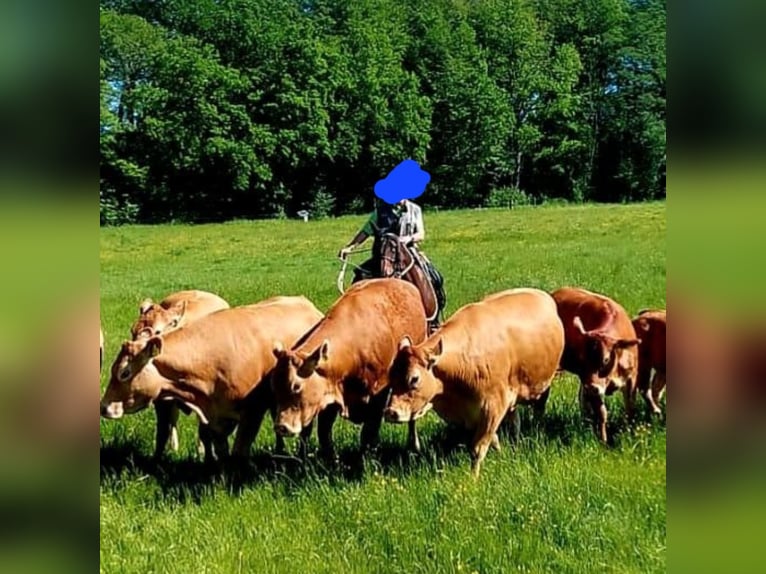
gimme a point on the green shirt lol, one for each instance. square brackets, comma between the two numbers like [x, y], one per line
[372, 221]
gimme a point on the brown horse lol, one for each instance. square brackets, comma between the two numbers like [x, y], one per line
[397, 261]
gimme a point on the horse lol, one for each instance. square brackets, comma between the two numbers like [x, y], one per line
[397, 261]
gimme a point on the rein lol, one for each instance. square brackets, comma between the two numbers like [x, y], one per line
[395, 261]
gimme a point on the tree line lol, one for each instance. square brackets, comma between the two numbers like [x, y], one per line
[220, 109]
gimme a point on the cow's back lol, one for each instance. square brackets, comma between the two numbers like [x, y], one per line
[198, 303]
[514, 336]
[364, 327]
[232, 348]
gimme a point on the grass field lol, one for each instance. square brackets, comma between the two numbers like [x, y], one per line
[557, 502]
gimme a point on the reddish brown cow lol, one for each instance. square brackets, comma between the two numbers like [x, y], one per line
[650, 327]
[486, 359]
[173, 312]
[601, 349]
[341, 365]
[215, 366]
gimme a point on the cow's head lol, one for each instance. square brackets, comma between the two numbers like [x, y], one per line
[133, 384]
[301, 388]
[604, 353]
[412, 380]
[153, 319]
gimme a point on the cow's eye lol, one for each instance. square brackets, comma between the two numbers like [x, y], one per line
[124, 374]
[606, 359]
[296, 387]
[414, 381]
[156, 331]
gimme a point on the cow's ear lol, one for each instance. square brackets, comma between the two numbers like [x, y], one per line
[435, 353]
[278, 349]
[179, 310]
[145, 305]
[643, 324]
[625, 343]
[154, 346]
[405, 343]
[577, 322]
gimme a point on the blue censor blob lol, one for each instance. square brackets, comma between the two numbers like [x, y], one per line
[405, 181]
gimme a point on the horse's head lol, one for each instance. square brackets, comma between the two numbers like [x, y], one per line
[394, 258]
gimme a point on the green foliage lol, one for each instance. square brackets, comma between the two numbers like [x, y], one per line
[242, 108]
[116, 211]
[556, 502]
[509, 197]
[323, 205]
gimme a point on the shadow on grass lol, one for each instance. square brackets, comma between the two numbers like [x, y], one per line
[192, 480]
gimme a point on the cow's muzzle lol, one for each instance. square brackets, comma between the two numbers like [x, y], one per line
[112, 410]
[285, 430]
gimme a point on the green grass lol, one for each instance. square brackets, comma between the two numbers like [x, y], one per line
[557, 502]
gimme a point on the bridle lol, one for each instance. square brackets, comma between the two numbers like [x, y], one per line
[396, 259]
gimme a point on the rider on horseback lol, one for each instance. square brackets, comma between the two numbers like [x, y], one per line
[405, 220]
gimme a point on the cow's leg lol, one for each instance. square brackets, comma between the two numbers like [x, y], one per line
[370, 436]
[167, 420]
[220, 440]
[538, 409]
[303, 440]
[206, 439]
[413, 441]
[658, 388]
[598, 407]
[585, 411]
[206, 442]
[249, 425]
[324, 431]
[642, 383]
[629, 393]
[496, 442]
[515, 420]
[483, 438]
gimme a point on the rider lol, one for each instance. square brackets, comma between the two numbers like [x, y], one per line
[404, 219]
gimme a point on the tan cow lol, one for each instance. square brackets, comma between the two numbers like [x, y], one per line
[650, 326]
[341, 366]
[601, 349]
[215, 366]
[486, 359]
[173, 312]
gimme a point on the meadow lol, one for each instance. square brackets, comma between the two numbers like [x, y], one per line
[556, 502]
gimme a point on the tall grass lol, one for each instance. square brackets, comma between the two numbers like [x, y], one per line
[556, 502]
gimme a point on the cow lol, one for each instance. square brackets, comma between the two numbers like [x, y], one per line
[341, 365]
[218, 367]
[173, 312]
[601, 349]
[489, 357]
[650, 328]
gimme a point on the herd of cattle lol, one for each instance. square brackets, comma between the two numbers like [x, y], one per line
[370, 358]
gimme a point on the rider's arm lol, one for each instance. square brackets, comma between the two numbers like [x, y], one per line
[360, 237]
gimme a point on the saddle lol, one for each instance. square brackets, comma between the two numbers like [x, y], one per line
[434, 276]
